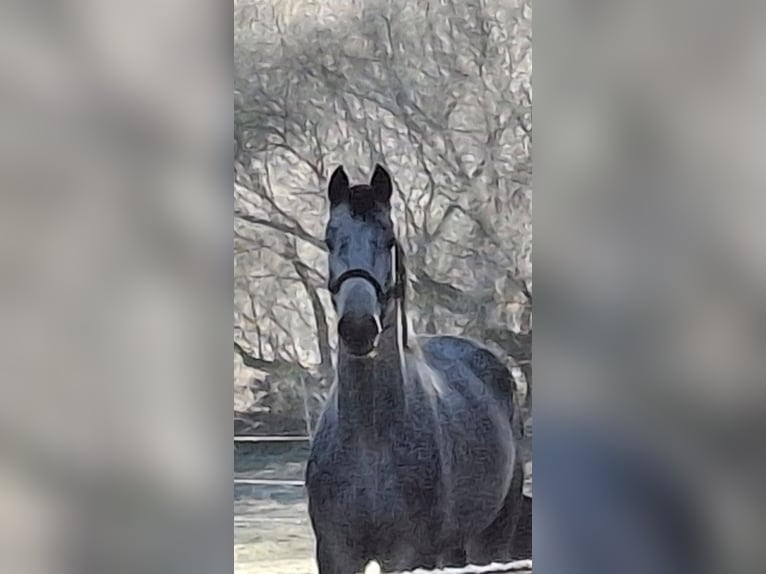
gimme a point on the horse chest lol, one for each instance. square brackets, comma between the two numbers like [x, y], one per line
[386, 490]
[375, 488]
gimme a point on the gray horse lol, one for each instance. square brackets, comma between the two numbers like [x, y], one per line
[413, 463]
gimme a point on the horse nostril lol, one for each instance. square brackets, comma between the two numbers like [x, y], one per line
[358, 331]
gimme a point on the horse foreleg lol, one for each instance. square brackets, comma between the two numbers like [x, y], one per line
[454, 558]
[334, 558]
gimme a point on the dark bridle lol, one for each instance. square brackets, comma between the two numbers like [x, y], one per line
[397, 292]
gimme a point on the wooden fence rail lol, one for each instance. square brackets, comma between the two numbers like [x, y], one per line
[268, 482]
[269, 439]
[276, 438]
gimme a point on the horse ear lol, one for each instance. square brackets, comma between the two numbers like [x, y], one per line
[337, 191]
[381, 184]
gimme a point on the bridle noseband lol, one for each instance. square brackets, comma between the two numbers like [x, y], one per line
[396, 292]
[384, 297]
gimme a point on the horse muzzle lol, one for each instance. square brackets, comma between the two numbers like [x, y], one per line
[358, 307]
[359, 333]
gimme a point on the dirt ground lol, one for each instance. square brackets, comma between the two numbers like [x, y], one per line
[272, 534]
[273, 537]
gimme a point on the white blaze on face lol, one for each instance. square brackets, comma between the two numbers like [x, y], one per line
[345, 299]
[372, 568]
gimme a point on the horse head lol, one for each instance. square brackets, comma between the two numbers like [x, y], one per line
[366, 267]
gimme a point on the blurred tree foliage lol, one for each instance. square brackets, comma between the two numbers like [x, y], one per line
[439, 91]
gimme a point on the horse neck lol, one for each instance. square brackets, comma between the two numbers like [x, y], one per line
[371, 389]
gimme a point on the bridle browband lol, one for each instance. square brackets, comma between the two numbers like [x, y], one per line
[397, 291]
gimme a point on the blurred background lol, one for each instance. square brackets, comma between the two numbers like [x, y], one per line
[115, 289]
[116, 133]
[649, 266]
[440, 93]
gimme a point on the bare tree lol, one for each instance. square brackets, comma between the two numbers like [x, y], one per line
[439, 92]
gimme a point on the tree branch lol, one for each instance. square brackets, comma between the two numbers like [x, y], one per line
[275, 367]
[294, 230]
[320, 317]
